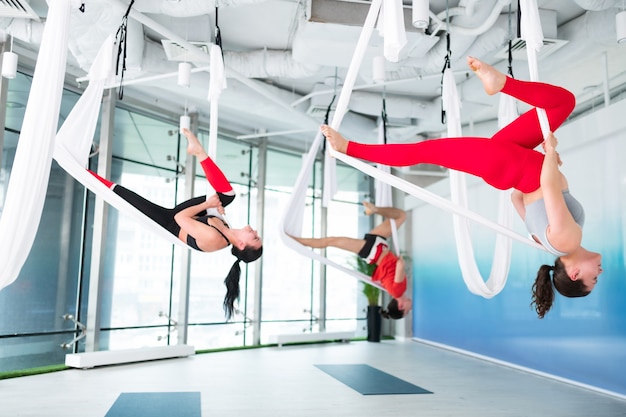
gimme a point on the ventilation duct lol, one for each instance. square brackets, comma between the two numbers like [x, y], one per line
[17, 9]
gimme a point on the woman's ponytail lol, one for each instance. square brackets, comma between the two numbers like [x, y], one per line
[232, 289]
[554, 277]
[543, 293]
[246, 255]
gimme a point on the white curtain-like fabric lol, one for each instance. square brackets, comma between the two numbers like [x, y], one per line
[75, 137]
[217, 84]
[30, 173]
[391, 27]
[532, 33]
[291, 222]
[458, 191]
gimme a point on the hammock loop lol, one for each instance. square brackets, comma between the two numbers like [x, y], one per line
[121, 34]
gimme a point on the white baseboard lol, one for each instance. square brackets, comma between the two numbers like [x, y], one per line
[281, 339]
[113, 357]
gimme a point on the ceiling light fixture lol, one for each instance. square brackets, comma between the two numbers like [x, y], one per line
[620, 26]
[378, 69]
[9, 63]
[421, 12]
[184, 74]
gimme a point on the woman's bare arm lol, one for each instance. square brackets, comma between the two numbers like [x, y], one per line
[563, 232]
[206, 237]
[400, 275]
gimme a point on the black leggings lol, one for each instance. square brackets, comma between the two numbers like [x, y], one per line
[165, 216]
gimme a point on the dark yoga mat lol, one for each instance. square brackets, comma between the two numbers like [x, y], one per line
[156, 404]
[371, 381]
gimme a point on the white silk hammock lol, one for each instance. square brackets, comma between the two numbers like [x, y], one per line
[76, 135]
[73, 142]
[384, 196]
[292, 219]
[458, 192]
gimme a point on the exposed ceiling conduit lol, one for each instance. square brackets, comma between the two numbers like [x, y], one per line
[396, 106]
[268, 64]
[464, 24]
[583, 34]
[187, 8]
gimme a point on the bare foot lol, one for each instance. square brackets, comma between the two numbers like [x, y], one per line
[493, 80]
[369, 208]
[338, 142]
[194, 147]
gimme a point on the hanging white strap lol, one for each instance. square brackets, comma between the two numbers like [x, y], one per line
[532, 33]
[348, 85]
[384, 197]
[391, 28]
[458, 190]
[291, 223]
[74, 139]
[217, 84]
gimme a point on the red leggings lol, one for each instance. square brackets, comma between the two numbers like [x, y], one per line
[213, 174]
[506, 160]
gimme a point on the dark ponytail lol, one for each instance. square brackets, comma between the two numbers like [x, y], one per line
[231, 282]
[232, 289]
[543, 290]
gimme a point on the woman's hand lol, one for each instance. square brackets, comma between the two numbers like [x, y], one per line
[549, 147]
[214, 202]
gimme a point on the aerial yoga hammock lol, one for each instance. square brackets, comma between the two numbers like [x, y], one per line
[473, 279]
[71, 146]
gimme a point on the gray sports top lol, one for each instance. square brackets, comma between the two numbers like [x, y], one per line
[537, 219]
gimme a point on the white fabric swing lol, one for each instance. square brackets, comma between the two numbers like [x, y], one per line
[292, 220]
[28, 183]
[73, 142]
[70, 147]
[458, 191]
[75, 136]
[473, 279]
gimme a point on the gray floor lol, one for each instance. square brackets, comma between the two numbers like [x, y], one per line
[284, 382]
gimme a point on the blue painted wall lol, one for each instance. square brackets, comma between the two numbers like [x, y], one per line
[581, 339]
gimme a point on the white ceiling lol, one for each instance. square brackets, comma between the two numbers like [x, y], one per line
[279, 52]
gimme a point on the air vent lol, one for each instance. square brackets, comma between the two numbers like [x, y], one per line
[319, 102]
[17, 9]
[518, 49]
[177, 52]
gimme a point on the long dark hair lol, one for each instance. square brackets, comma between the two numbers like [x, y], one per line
[393, 311]
[543, 292]
[248, 254]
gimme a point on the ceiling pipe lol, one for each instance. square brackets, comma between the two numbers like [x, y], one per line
[187, 8]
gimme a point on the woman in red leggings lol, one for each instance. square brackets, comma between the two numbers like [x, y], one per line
[199, 222]
[508, 160]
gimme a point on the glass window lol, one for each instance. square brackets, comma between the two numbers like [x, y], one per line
[32, 309]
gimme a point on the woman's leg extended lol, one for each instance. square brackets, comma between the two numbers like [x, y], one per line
[341, 242]
[526, 130]
[213, 173]
[499, 163]
[389, 213]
